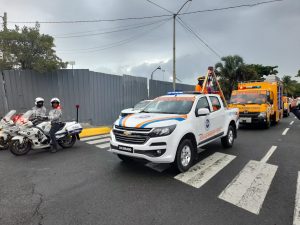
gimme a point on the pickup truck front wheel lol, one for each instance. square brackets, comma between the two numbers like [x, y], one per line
[228, 140]
[185, 155]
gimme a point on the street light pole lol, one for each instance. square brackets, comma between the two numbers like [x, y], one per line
[174, 44]
[158, 68]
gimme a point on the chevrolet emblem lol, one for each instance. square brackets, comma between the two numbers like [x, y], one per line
[127, 133]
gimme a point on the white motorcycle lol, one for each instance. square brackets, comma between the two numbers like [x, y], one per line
[34, 134]
[7, 129]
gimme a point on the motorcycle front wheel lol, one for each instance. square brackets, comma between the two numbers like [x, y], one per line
[68, 141]
[18, 148]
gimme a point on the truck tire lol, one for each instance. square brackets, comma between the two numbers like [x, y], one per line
[185, 155]
[125, 158]
[228, 140]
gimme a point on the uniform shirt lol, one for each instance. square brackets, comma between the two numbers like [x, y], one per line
[55, 115]
[198, 88]
[39, 111]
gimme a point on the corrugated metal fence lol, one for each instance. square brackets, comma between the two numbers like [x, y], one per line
[101, 96]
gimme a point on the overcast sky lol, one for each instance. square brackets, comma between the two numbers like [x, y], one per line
[266, 34]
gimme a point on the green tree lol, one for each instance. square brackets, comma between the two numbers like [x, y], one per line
[263, 70]
[298, 74]
[27, 48]
[229, 73]
[289, 85]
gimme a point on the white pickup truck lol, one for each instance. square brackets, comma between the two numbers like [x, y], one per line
[172, 128]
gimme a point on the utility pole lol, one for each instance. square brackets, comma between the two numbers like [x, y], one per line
[174, 44]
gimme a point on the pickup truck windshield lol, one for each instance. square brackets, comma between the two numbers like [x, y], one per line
[170, 105]
[141, 105]
[249, 97]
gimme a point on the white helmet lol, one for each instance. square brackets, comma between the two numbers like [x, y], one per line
[38, 99]
[55, 100]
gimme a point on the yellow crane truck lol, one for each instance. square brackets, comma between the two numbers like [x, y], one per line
[259, 102]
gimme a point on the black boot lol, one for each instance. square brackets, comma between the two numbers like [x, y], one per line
[53, 149]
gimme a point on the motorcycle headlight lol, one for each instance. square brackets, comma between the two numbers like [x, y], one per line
[162, 131]
[262, 114]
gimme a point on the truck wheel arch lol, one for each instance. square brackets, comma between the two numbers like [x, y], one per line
[233, 124]
[191, 137]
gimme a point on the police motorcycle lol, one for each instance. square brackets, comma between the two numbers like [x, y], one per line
[7, 129]
[34, 134]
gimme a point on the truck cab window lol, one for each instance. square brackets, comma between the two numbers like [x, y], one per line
[202, 103]
[215, 103]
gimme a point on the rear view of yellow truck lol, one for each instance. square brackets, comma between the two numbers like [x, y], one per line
[259, 102]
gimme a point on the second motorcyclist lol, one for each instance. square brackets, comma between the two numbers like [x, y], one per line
[55, 117]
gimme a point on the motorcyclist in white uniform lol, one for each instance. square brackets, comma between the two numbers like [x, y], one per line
[39, 109]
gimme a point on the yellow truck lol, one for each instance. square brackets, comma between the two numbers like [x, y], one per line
[259, 102]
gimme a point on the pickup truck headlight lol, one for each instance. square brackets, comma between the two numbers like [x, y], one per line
[263, 115]
[162, 131]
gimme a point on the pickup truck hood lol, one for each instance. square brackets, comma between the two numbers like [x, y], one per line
[130, 111]
[150, 120]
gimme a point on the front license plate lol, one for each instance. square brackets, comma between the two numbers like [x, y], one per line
[246, 120]
[125, 149]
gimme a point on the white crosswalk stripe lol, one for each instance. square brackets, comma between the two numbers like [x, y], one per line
[95, 137]
[296, 220]
[100, 141]
[102, 146]
[249, 188]
[203, 171]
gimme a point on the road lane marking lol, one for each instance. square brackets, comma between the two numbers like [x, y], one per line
[98, 141]
[94, 137]
[296, 220]
[269, 153]
[249, 188]
[285, 131]
[291, 123]
[105, 145]
[203, 171]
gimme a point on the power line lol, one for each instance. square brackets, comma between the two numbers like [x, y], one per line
[145, 17]
[159, 6]
[188, 28]
[115, 44]
[90, 21]
[103, 29]
[231, 7]
[113, 31]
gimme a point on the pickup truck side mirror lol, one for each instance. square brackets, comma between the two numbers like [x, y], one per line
[202, 112]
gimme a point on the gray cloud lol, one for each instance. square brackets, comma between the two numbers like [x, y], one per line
[268, 34]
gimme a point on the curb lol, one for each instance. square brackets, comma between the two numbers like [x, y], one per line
[87, 132]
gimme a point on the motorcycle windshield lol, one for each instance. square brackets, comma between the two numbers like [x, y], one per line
[9, 115]
[25, 117]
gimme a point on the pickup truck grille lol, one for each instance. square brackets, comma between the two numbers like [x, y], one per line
[130, 135]
[133, 129]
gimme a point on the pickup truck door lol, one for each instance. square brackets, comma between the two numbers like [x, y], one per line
[202, 126]
[217, 116]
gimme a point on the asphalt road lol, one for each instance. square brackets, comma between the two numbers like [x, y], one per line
[88, 185]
